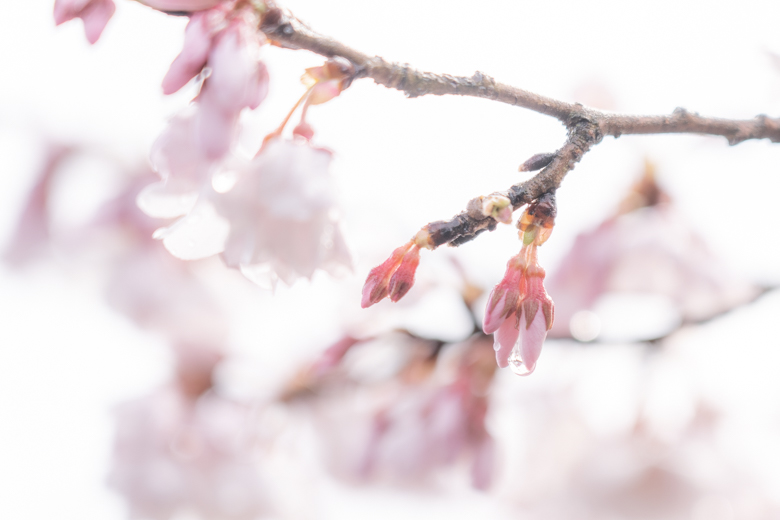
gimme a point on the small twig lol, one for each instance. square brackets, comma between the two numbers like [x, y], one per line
[586, 126]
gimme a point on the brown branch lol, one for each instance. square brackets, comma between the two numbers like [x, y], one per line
[469, 223]
[586, 126]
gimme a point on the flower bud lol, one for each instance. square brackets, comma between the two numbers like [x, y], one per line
[536, 222]
[403, 278]
[499, 207]
[392, 278]
[505, 298]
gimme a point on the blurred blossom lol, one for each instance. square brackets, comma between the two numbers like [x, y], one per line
[184, 169]
[409, 426]
[32, 234]
[184, 448]
[283, 215]
[644, 445]
[646, 248]
[238, 80]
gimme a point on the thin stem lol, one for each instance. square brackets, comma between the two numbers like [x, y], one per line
[279, 130]
[586, 126]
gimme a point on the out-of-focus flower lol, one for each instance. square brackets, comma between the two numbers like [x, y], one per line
[645, 248]
[226, 42]
[238, 80]
[184, 448]
[94, 13]
[195, 53]
[407, 429]
[282, 215]
[181, 164]
[519, 312]
[32, 234]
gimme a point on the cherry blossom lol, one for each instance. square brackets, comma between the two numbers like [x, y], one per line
[238, 80]
[282, 215]
[185, 448]
[407, 429]
[646, 247]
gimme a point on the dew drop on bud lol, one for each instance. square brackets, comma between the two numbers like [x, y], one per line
[516, 364]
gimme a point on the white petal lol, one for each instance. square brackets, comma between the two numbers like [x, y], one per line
[200, 234]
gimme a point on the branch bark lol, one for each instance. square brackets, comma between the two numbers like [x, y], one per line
[586, 126]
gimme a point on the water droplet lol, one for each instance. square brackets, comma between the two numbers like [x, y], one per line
[516, 364]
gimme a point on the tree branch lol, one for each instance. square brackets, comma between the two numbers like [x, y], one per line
[586, 126]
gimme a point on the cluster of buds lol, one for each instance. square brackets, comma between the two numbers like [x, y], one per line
[519, 312]
[395, 276]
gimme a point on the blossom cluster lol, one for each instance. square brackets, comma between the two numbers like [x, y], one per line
[273, 216]
[519, 311]
[422, 418]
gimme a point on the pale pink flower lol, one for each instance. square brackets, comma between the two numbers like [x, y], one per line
[159, 292]
[238, 80]
[197, 43]
[181, 165]
[94, 13]
[282, 215]
[648, 247]
[32, 235]
[409, 429]
[235, 77]
[186, 449]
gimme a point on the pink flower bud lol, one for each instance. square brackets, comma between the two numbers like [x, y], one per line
[304, 130]
[505, 297]
[522, 359]
[519, 314]
[195, 53]
[403, 278]
[392, 278]
[505, 339]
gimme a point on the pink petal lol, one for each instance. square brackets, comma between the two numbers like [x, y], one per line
[236, 80]
[258, 88]
[324, 92]
[504, 340]
[403, 278]
[194, 54]
[217, 130]
[526, 353]
[483, 463]
[494, 314]
[66, 10]
[177, 152]
[96, 16]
